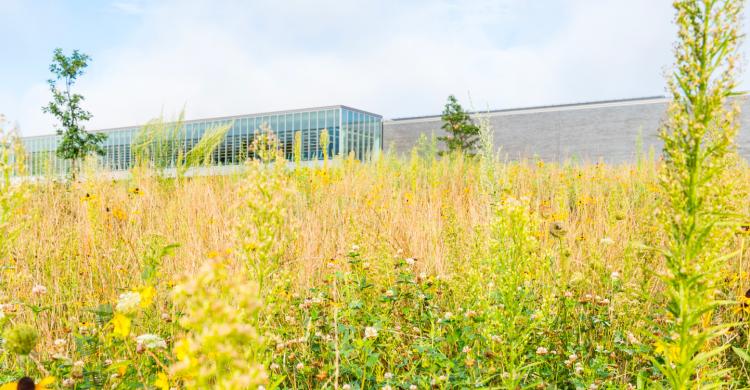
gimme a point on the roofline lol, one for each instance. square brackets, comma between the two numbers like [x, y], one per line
[553, 107]
[227, 118]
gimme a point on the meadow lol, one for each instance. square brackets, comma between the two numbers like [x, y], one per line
[399, 273]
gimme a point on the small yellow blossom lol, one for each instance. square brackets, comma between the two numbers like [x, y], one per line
[120, 325]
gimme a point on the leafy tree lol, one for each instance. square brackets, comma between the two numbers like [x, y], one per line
[463, 134]
[76, 143]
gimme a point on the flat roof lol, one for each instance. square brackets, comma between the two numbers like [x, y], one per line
[553, 107]
[230, 117]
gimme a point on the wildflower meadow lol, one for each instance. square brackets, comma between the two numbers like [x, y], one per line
[424, 271]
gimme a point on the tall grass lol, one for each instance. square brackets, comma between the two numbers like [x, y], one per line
[459, 293]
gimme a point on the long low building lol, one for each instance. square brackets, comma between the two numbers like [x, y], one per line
[349, 131]
[610, 131]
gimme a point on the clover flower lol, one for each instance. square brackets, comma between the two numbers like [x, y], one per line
[38, 289]
[151, 341]
[128, 302]
[371, 332]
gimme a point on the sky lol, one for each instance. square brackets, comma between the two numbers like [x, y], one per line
[395, 58]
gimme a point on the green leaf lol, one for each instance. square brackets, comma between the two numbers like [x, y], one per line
[742, 354]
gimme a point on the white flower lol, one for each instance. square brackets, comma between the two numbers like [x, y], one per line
[300, 366]
[38, 289]
[409, 261]
[274, 366]
[151, 341]
[60, 342]
[387, 387]
[389, 293]
[346, 387]
[466, 349]
[632, 339]
[412, 387]
[371, 332]
[128, 302]
[615, 275]
[542, 351]
[447, 315]
[388, 375]
[606, 241]
[79, 364]
[355, 248]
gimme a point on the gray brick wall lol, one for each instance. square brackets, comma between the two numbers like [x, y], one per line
[604, 131]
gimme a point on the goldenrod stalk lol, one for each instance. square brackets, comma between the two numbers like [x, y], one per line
[698, 148]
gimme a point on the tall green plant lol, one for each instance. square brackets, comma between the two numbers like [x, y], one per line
[161, 145]
[698, 147]
[76, 143]
[11, 195]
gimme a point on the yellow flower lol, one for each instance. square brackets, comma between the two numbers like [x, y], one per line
[182, 349]
[45, 383]
[88, 197]
[162, 381]
[119, 214]
[147, 296]
[121, 325]
[42, 385]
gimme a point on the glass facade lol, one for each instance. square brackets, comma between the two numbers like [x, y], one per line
[350, 131]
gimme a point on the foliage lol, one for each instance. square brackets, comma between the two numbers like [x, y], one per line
[463, 134]
[76, 143]
[159, 146]
[699, 152]
[12, 195]
[222, 347]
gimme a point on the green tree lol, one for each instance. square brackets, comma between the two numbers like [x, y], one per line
[463, 134]
[76, 143]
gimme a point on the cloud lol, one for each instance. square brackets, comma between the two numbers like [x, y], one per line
[234, 57]
[128, 7]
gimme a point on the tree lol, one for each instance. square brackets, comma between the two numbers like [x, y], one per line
[76, 143]
[463, 134]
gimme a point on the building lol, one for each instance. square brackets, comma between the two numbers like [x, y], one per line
[350, 131]
[611, 131]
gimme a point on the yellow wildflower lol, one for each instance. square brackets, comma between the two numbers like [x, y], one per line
[121, 325]
[162, 381]
[147, 296]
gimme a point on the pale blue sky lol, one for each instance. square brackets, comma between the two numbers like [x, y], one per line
[396, 58]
